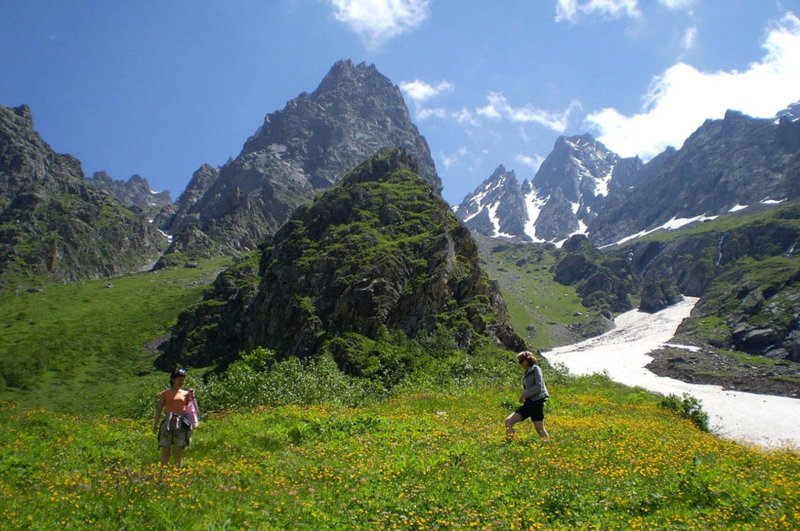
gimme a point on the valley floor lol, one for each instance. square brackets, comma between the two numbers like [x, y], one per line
[622, 353]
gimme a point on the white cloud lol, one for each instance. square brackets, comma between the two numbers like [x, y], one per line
[379, 20]
[498, 107]
[531, 162]
[690, 38]
[425, 113]
[676, 5]
[680, 99]
[420, 92]
[569, 10]
[448, 160]
[463, 117]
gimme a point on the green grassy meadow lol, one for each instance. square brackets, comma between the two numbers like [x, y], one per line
[76, 450]
[87, 346]
[532, 297]
[420, 460]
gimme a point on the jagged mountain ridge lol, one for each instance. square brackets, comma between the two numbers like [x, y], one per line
[56, 226]
[379, 249]
[297, 152]
[134, 192]
[572, 185]
[723, 166]
[583, 188]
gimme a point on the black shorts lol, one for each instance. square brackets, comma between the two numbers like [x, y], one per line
[533, 409]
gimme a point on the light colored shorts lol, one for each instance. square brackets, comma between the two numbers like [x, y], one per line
[179, 434]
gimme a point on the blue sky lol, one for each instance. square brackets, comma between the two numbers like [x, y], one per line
[159, 88]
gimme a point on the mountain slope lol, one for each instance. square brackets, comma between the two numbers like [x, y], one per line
[380, 249]
[297, 152]
[53, 224]
[721, 167]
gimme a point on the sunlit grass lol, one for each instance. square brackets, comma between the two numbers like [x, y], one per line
[420, 460]
[84, 346]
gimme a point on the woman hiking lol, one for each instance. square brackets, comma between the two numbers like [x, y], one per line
[533, 397]
[182, 418]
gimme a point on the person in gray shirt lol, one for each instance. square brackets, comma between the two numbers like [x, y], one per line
[533, 397]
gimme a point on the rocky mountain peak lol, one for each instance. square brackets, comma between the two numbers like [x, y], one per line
[383, 165]
[578, 165]
[135, 192]
[303, 149]
[344, 75]
[24, 112]
[497, 207]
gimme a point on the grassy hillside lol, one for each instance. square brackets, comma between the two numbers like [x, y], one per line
[533, 297]
[88, 346]
[788, 215]
[421, 460]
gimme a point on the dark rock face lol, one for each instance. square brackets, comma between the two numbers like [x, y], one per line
[178, 219]
[53, 224]
[379, 249]
[135, 192]
[657, 295]
[735, 161]
[572, 185]
[603, 282]
[298, 152]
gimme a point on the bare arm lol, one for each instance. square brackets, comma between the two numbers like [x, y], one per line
[159, 408]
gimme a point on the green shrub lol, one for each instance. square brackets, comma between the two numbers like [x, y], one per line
[258, 380]
[688, 407]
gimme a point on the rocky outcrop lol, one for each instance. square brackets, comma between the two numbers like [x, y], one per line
[298, 152]
[180, 218]
[604, 282]
[379, 249]
[658, 294]
[53, 224]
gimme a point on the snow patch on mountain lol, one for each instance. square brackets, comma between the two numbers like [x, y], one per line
[602, 183]
[768, 201]
[492, 211]
[672, 224]
[533, 205]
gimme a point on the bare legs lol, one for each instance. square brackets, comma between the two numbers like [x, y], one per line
[516, 417]
[539, 425]
[178, 456]
[510, 421]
